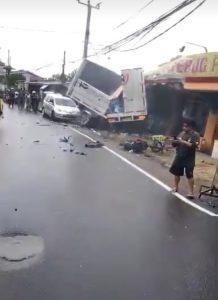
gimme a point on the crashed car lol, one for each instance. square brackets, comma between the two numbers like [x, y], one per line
[59, 107]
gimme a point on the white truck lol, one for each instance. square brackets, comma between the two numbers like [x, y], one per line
[100, 92]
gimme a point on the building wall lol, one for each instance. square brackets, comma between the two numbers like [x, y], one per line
[168, 107]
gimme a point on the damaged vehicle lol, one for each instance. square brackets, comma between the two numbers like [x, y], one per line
[58, 107]
[102, 93]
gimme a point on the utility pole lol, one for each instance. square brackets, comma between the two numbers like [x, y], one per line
[63, 68]
[8, 69]
[9, 57]
[87, 33]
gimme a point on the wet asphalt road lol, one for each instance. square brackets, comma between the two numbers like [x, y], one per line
[110, 233]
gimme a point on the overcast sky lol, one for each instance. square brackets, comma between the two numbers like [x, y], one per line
[38, 32]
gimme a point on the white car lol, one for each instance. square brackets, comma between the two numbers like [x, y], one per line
[59, 107]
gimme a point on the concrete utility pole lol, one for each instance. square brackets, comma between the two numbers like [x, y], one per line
[63, 68]
[87, 33]
[8, 69]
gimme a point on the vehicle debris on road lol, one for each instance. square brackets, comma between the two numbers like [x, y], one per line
[96, 144]
[64, 139]
[80, 153]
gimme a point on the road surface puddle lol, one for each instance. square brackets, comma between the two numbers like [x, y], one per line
[20, 251]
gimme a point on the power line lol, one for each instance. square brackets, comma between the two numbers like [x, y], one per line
[36, 30]
[165, 31]
[133, 16]
[145, 6]
[142, 31]
[47, 65]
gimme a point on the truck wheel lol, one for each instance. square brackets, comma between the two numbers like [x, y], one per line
[85, 119]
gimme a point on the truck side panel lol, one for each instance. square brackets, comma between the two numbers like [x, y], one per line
[134, 91]
[90, 97]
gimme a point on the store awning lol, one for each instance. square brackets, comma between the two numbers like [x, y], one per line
[201, 86]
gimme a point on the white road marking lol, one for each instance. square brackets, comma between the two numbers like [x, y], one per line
[156, 180]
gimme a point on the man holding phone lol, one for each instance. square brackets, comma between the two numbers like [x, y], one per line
[186, 144]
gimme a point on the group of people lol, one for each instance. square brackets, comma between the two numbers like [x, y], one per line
[23, 99]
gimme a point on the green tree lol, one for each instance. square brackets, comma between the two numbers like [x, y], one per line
[14, 79]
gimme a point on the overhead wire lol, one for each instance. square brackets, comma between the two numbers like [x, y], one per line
[133, 16]
[142, 32]
[146, 29]
[35, 30]
[166, 30]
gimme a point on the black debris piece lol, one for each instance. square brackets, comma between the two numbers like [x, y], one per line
[66, 139]
[137, 146]
[36, 141]
[94, 145]
[80, 153]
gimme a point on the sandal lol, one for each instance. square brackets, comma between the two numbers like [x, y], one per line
[190, 197]
[174, 190]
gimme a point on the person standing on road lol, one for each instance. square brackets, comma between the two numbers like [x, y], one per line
[21, 99]
[28, 101]
[1, 105]
[34, 100]
[11, 98]
[186, 144]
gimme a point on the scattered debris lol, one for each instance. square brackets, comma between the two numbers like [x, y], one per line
[36, 141]
[64, 150]
[66, 139]
[15, 209]
[80, 153]
[94, 145]
[137, 146]
[38, 123]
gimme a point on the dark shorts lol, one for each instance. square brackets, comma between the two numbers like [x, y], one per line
[179, 168]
